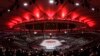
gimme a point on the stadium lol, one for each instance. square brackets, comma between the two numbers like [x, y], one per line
[49, 28]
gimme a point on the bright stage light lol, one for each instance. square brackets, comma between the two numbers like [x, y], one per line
[25, 4]
[92, 9]
[51, 1]
[35, 32]
[77, 4]
[8, 10]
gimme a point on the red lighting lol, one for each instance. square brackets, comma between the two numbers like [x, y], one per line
[10, 25]
[38, 13]
[26, 16]
[64, 12]
[18, 19]
[50, 14]
[74, 16]
[91, 24]
[15, 22]
[81, 19]
[87, 20]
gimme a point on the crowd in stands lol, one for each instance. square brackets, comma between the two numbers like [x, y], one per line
[93, 51]
[82, 51]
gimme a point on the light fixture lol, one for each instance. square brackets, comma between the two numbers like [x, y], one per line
[92, 9]
[35, 32]
[81, 49]
[65, 32]
[25, 4]
[8, 10]
[50, 34]
[51, 1]
[77, 4]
